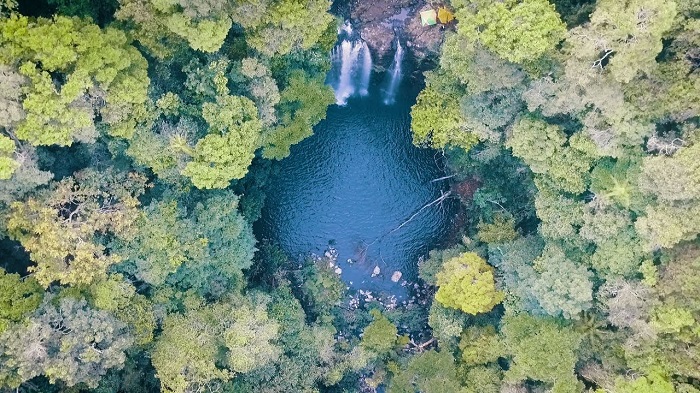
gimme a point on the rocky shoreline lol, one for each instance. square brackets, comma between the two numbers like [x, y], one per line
[380, 22]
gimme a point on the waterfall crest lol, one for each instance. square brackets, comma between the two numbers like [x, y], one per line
[394, 75]
[351, 68]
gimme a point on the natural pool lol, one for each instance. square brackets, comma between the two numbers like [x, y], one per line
[361, 186]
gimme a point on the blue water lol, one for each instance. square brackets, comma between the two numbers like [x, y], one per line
[352, 184]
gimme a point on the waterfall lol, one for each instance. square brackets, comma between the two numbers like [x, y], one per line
[394, 75]
[351, 66]
[348, 62]
[366, 70]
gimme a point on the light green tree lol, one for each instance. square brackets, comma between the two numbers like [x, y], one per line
[380, 335]
[467, 283]
[226, 152]
[204, 25]
[18, 298]
[8, 165]
[75, 70]
[302, 105]
[436, 118]
[212, 344]
[428, 372]
[516, 31]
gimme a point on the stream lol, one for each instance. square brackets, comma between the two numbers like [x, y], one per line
[359, 184]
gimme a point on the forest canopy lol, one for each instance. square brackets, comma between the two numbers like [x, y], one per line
[135, 146]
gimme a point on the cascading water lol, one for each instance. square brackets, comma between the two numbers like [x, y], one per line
[366, 70]
[394, 75]
[351, 66]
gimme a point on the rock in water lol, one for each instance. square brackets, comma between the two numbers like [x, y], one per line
[396, 276]
[376, 271]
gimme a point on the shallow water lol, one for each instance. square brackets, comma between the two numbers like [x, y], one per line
[352, 184]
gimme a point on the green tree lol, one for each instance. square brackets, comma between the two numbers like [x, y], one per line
[211, 344]
[664, 226]
[11, 83]
[26, 176]
[516, 31]
[230, 245]
[226, 152]
[560, 215]
[287, 26]
[204, 25]
[74, 71]
[18, 298]
[542, 349]
[162, 242]
[625, 36]
[69, 342]
[673, 179]
[428, 372]
[467, 283]
[61, 228]
[380, 335]
[544, 148]
[516, 275]
[303, 103]
[478, 69]
[563, 287]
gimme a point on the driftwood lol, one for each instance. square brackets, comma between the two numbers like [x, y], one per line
[421, 347]
[442, 197]
[443, 178]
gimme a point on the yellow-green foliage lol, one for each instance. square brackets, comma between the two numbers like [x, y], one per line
[303, 104]
[60, 231]
[501, 230]
[467, 283]
[380, 335]
[161, 25]
[94, 65]
[18, 298]
[227, 151]
[437, 121]
[516, 31]
[196, 340]
[7, 164]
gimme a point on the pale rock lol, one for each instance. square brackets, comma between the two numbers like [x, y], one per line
[376, 271]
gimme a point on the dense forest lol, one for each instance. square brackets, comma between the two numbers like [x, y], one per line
[136, 138]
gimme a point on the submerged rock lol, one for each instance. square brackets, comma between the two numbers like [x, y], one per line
[376, 271]
[396, 276]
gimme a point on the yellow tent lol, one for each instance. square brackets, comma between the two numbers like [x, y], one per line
[427, 18]
[444, 15]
